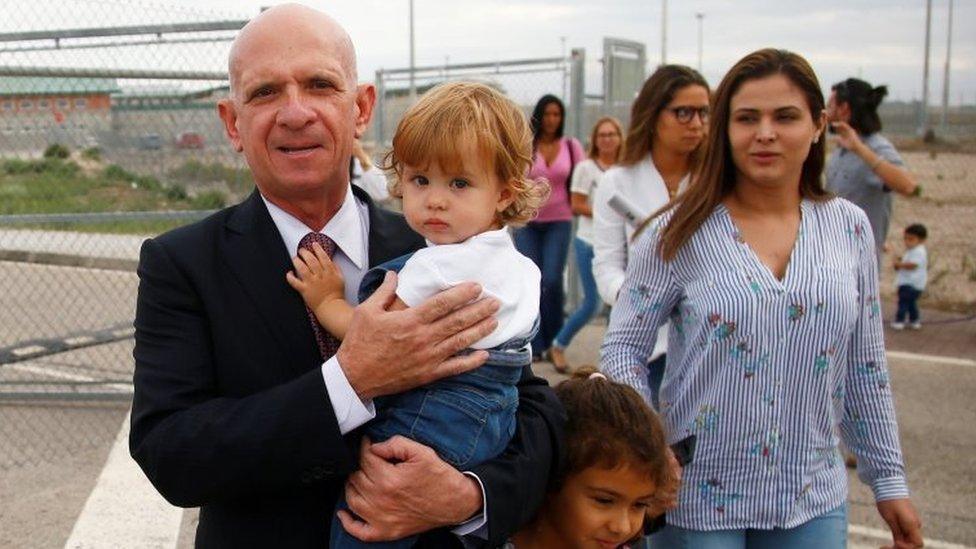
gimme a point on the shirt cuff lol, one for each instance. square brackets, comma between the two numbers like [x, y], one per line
[478, 524]
[889, 488]
[350, 410]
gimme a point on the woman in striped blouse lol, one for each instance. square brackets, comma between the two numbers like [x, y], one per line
[776, 349]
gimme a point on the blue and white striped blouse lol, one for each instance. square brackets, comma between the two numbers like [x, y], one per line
[769, 374]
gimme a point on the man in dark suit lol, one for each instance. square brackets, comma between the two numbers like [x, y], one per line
[238, 407]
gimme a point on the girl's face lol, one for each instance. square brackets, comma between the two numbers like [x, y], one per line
[552, 116]
[600, 508]
[771, 131]
[450, 206]
[674, 131]
[608, 139]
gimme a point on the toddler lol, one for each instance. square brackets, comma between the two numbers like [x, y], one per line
[912, 273]
[459, 155]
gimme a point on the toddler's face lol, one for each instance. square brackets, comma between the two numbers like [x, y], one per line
[601, 508]
[447, 207]
[911, 240]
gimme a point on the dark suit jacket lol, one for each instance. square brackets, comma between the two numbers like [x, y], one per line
[230, 411]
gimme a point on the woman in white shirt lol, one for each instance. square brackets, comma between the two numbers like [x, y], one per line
[667, 126]
[606, 146]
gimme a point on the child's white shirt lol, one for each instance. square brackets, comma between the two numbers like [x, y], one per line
[917, 277]
[490, 259]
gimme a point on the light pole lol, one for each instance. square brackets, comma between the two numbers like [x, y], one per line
[664, 32]
[701, 18]
[413, 83]
[945, 77]
[924, 117]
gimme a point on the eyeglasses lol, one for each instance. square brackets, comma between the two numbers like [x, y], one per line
[685, 114]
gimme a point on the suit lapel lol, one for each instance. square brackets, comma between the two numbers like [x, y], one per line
[257, 258]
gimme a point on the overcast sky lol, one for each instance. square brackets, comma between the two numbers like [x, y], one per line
[881, 41]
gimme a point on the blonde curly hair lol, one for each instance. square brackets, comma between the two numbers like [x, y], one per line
[435, 129]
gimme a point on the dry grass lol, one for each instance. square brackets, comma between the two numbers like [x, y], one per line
[947, 207]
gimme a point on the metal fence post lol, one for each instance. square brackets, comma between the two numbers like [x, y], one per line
[577, 90]
[380, 111]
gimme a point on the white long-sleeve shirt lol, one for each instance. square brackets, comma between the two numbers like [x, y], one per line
[641, 185]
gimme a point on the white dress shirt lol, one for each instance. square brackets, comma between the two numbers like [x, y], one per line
[349, 229]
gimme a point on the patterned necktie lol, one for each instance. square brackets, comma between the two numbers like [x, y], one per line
[328, 344]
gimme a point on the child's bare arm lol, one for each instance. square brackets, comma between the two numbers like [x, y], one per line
[321, 285]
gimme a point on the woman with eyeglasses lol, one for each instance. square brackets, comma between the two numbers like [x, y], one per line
[668, 122]
[605, 150]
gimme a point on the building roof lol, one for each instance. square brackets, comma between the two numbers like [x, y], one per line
[15, 86]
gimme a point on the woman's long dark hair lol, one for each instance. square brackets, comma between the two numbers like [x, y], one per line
[540, 109]
[715, 176]
[863, 101]
[658, 90]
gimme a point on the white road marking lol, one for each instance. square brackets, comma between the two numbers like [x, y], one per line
[932, 358]
[66, 376]
[125, 508]
[29, 350]
[48, 371]
[79, 340]
[885, 537]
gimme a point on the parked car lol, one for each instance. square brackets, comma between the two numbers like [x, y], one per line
[189, 140]
[150, 142]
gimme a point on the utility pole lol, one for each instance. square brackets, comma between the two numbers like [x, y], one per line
[701, 17]
[413, 83]
[924, 116]
[945, 77]
[664, 32]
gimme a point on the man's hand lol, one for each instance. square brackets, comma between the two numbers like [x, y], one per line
[403, 489]
[386, 352]
[903, 520]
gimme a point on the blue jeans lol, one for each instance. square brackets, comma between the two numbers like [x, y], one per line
[591, 300]
[547, 245]
[907, 303]
[467, 419]
[828, 531]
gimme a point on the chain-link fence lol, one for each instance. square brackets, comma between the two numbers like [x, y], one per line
[108, 134]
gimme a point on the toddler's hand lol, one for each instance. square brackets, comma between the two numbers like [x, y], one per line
[319, 279]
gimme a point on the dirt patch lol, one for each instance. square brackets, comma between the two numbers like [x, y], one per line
[947, 207]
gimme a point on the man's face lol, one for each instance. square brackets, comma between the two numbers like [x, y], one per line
[295, 112]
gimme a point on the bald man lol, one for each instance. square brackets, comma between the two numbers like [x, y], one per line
[238, 409]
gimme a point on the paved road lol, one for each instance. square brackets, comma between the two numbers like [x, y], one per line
[52, 453]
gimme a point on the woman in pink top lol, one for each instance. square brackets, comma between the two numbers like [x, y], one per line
[546, 239]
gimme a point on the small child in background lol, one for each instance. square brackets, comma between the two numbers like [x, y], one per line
[617, 473]
[912, 273]
[460, 155]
